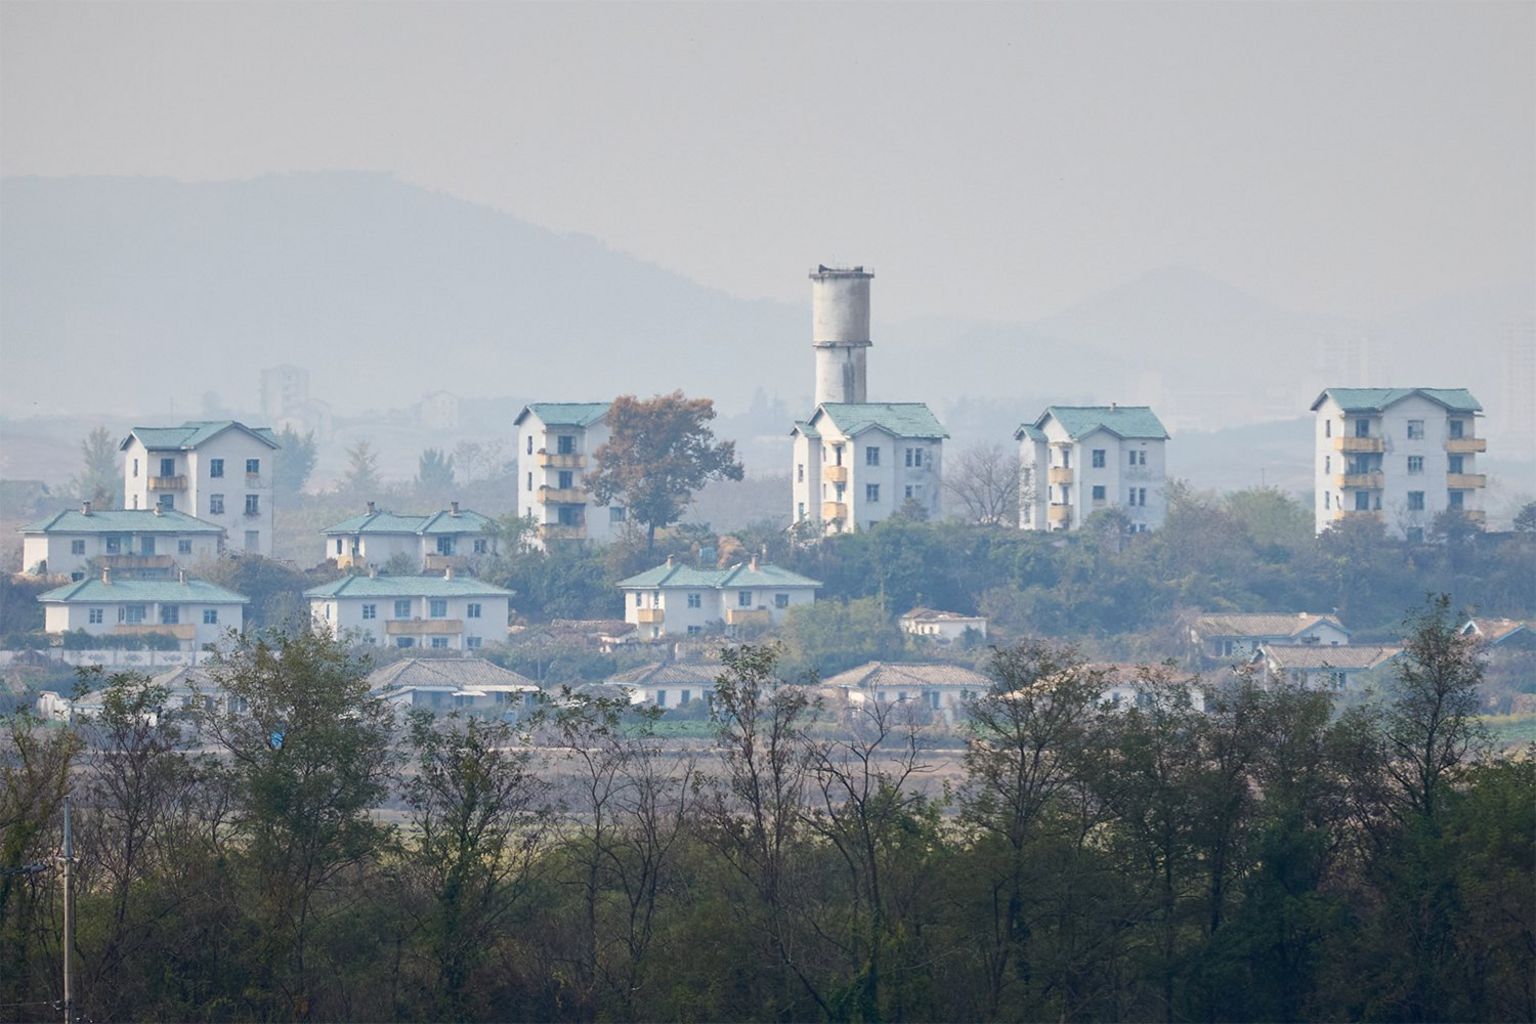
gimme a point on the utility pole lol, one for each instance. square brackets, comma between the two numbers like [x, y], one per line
[68, 858]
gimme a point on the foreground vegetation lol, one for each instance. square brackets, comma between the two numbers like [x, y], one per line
[1270, 858]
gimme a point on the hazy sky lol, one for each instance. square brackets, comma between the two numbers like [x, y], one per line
[999, 161]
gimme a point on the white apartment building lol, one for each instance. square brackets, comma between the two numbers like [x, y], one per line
[219, 471]
[682, 600]
[857, 464]
[444, 612]
[195, 612]
[555, 442]
[1398, 456]
[435, 542]
[1077, 459]
[145, 543]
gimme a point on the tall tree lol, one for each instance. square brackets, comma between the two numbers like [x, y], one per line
[362, 476]
[295, 462]
[659, 452]
[434, 471]
[101, 479]
[984, 479]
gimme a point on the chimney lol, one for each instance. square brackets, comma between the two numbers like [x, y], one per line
[159, 509]
[372, 508]
[181, 574]
[373, 572]
[448, 573]
[106, 575]
[752, 565]
[1113, 406]
[669, 561]
[85, 507]
[453, 509]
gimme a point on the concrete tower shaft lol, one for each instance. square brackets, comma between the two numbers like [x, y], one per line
[840, 332]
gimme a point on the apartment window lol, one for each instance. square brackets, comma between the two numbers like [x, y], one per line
[472, 610]
[1415, 463]
[439, 642]
[566, 479]
[1415, 430]
[252, 504]
[95, 615]
[215, 467]
[445, 545]
[569, 515]
[871, 456]
[1098, 458]
[473, 643]
[167, 503]
[529, 485]
[482, 546]
[1327, 428]
[908, 492]
[1456, 427]
[77, 547]
[210, 616]
[405, 641]
[1363, 501]
[618, 514]
[565, 444]
[530, 444]
[252, 467]
[872, 493]
[661, 698]
[1457, 499]
[168, 467]
[800, 473]
[1327, 463]
[685, 697]
[695, 601]
[1138, 458]
[1415, 501]
[183, 547]
[216, 505]
[639, 600]
[403, 608]
[1098, 492]
[135, 468]
[437, 607]
[252, 540]
[370, 611]
[695, 630]
[1327, 500]
[114, 545]
[744, 599]
[135, 501]
[1455, 463]
[170, 614]
[1362, 428]
[781, 600]
[133, 614]
[915, 458]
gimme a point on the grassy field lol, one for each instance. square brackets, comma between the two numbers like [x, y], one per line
[1511, 730]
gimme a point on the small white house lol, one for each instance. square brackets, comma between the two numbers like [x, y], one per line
[146, 542]
[1228, 636]
[1323, 668]
[939, 689]
[187, 691]
[944, 627]
[454, 684]
[444, 612]
[195, 612]
[435, 542]
[219, 471]
[669, 684]
[681, 600]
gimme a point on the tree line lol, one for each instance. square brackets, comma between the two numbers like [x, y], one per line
[1267, 857]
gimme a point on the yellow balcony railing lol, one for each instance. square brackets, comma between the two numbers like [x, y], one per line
[563, 531]
[1059, 514]
[650, 616]
[1360, 481]
[437, 563]
[179, 630]
[1465, 481]
[1061, 475]
[167, 483]
[562, 495]
[1341, 515]
[834, 510]
[559, 460]
[125, 563]
[748, 617]
[1359, 444]
[1466, 445]
[837, 474]
[424, 627]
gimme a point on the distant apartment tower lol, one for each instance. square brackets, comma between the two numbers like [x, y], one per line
[857, 462]
[1400, 456]
[555, 442]
[218, 471]
[1077, 459]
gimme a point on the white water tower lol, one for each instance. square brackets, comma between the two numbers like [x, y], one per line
[840, 332]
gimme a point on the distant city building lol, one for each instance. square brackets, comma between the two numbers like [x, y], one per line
[681, 600]
[1228, 636]
[1398, 456]
[195, 612]
[1075, 460]
[144, 543]
[858, 462]
[438, 411]
[218, 471]
[555, 442]
[287, 405]
[450, 539]
[446, 612]
[945, 627]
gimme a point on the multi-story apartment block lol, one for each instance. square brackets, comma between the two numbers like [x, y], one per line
[195, 612]
[682, 600]
[146, 543]
[1075, 460]
[450, 539]
[1399, 456]
[857, 462]
[219, 471]
[444, 612]
[555, 442]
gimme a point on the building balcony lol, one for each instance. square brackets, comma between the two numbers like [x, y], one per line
[1360, 445]
[1475, 515]
[179, 630]
[834, 510]
[561, 460]
[167, 483]
[1060, 475]
[748, 617]
[1373, 481]
[130, 563]
[424, 627]
[562, 495]
[650, 616]
[437, 563]
[1466, 445]
[562, 531]
[1465, 481]
[1342, 515]
[1059, 514]
[351, 561]
[836, 474]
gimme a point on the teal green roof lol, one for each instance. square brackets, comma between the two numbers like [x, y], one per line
[193, 433]
[94, 591]
[406, 586]
[434, 523]
[1377, 399]
[1030, 431]
[903, 419]
[121, 520]
[1128, 422]
[564, 414]
[742, 574]
[806, 429]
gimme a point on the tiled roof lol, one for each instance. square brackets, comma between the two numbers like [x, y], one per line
[742, 574]
[668, 673]
[1129, 422]
[876, 675]
[1377, 399]
[903, 419]
[1493, 631]
[1262, 624]
[434, 523]
[458, 673]
[157, 591]
[1287, 656]
[193, 433]
[805, 429]
[122, 521]
[933, 615]
[406, 586]
[1030, 431]
[564, 414]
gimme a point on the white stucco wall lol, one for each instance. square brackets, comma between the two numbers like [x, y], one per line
[234, 447]
[60, 617]
[345, 614]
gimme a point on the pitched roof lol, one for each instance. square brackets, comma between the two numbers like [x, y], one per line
[668, 673]
[1288, 656]
[1493, 631]
[157, 591]
[458, 673]
[1030, 431]
[122, 520]
[1377, 399]
[805, 429]
[406, 586]
[466, 521]
[1128, 422]
[886, 675]
[903, 419]
[564, 414]
[193, 433]
[934, 615]
[742, 574]
[1263, 624]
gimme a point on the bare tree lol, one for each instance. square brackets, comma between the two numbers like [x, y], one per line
[984, 479]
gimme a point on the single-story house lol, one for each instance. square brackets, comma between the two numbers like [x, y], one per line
[942, 689]
[945, 627]
[448, 684]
